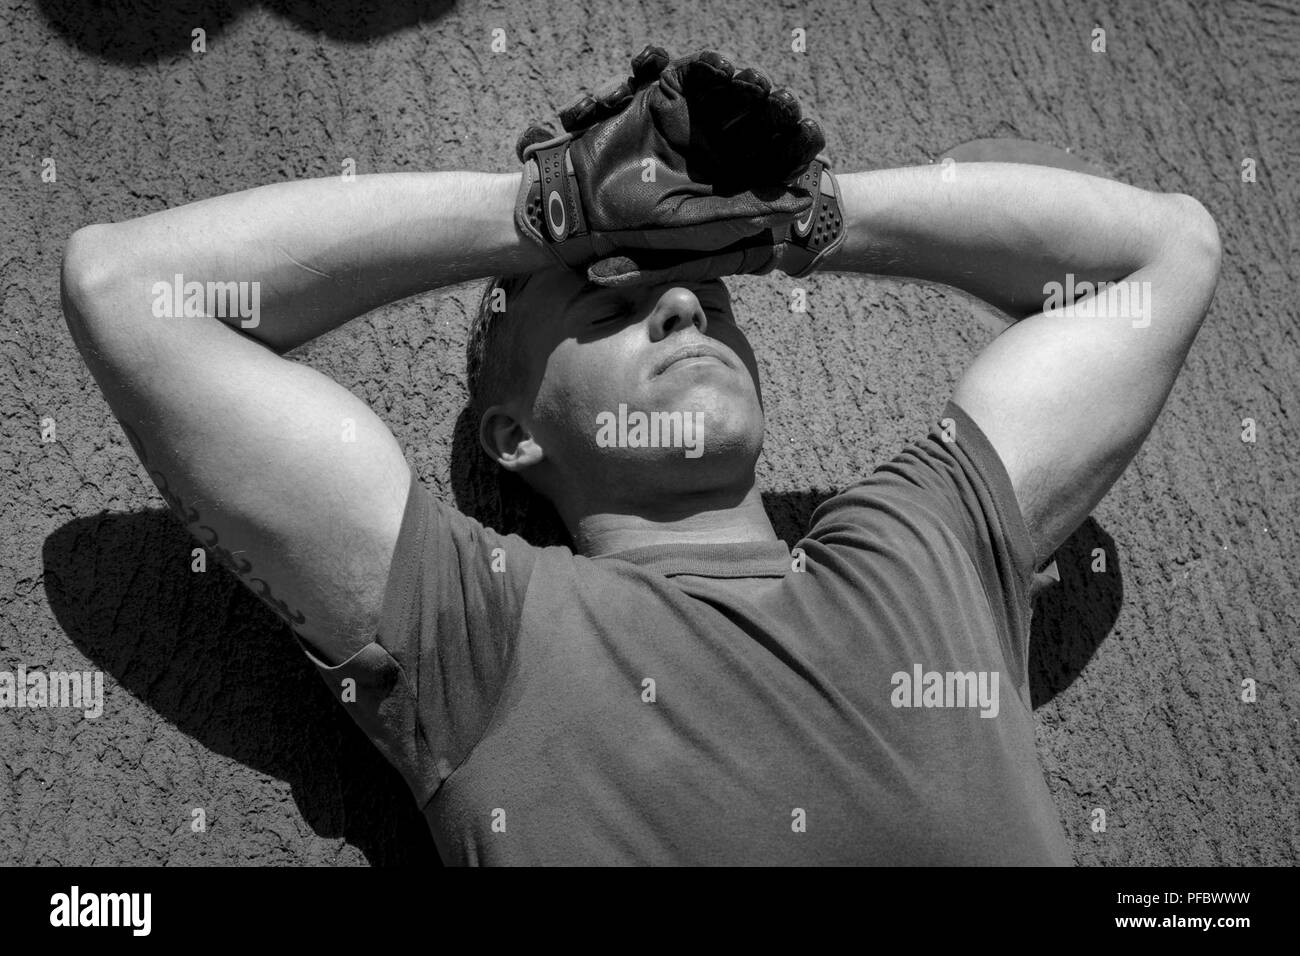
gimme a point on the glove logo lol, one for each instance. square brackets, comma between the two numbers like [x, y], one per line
[555, 217]
[811, 181]
[802, 226]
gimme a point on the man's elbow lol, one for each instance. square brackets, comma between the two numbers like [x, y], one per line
[1196, 236]
[90, 266]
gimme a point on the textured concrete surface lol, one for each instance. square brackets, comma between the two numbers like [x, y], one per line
[1137, 672]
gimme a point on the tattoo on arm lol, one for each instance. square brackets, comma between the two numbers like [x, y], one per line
[207, 536]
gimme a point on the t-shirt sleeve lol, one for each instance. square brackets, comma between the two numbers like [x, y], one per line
[949, 499]
[425, 687]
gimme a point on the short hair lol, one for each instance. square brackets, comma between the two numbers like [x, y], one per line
[493, 363]
[494, 367]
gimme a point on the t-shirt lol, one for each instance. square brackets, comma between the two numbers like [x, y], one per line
[861, 698]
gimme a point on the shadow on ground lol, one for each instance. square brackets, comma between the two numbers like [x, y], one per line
[1072, 618]
[143, 31]
[205, 654]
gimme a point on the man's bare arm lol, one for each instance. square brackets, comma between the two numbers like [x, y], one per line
[322, 251]
[1065, 399]
[998, 231]
[285, 476]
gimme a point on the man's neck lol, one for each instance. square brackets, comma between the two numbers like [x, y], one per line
[686, 523]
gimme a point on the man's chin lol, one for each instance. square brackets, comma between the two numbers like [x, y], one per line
[691, 431]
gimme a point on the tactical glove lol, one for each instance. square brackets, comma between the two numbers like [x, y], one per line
[685, 156]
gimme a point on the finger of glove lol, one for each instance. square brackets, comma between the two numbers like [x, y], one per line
[800, 149]
[724, 106]
[651, 269]
[783, 111]
[742, 98]
[711, 222]
[754, 78]
[756, 143]
[706, 82]
[706, 71]
[648, 64]
[536, 133]
[735, 120]
[747, 134]
[590, 109]
[684, 85]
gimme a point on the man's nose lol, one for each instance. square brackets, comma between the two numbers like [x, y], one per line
[676, 309]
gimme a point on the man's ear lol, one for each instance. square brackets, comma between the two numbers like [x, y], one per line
[507, 441]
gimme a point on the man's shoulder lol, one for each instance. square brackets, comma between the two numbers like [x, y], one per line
[942, 505]
[928, 477]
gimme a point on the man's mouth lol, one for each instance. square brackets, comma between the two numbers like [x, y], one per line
[688, 352]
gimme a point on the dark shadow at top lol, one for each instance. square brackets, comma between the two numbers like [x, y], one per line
[141, 31]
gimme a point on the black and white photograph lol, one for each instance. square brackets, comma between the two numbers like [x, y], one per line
[650, 434]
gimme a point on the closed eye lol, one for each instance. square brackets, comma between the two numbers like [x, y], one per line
[713, 295]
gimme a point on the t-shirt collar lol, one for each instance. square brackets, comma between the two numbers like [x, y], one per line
[738, 559]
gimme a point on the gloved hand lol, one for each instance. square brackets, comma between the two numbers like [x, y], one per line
[688, 155]
[797, 249]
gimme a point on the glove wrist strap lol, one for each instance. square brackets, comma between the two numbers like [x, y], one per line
[550, 211]
[821, 231]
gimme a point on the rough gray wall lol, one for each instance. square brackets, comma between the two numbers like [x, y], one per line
[1137, 672]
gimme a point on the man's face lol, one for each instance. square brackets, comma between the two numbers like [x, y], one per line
[672, 349]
